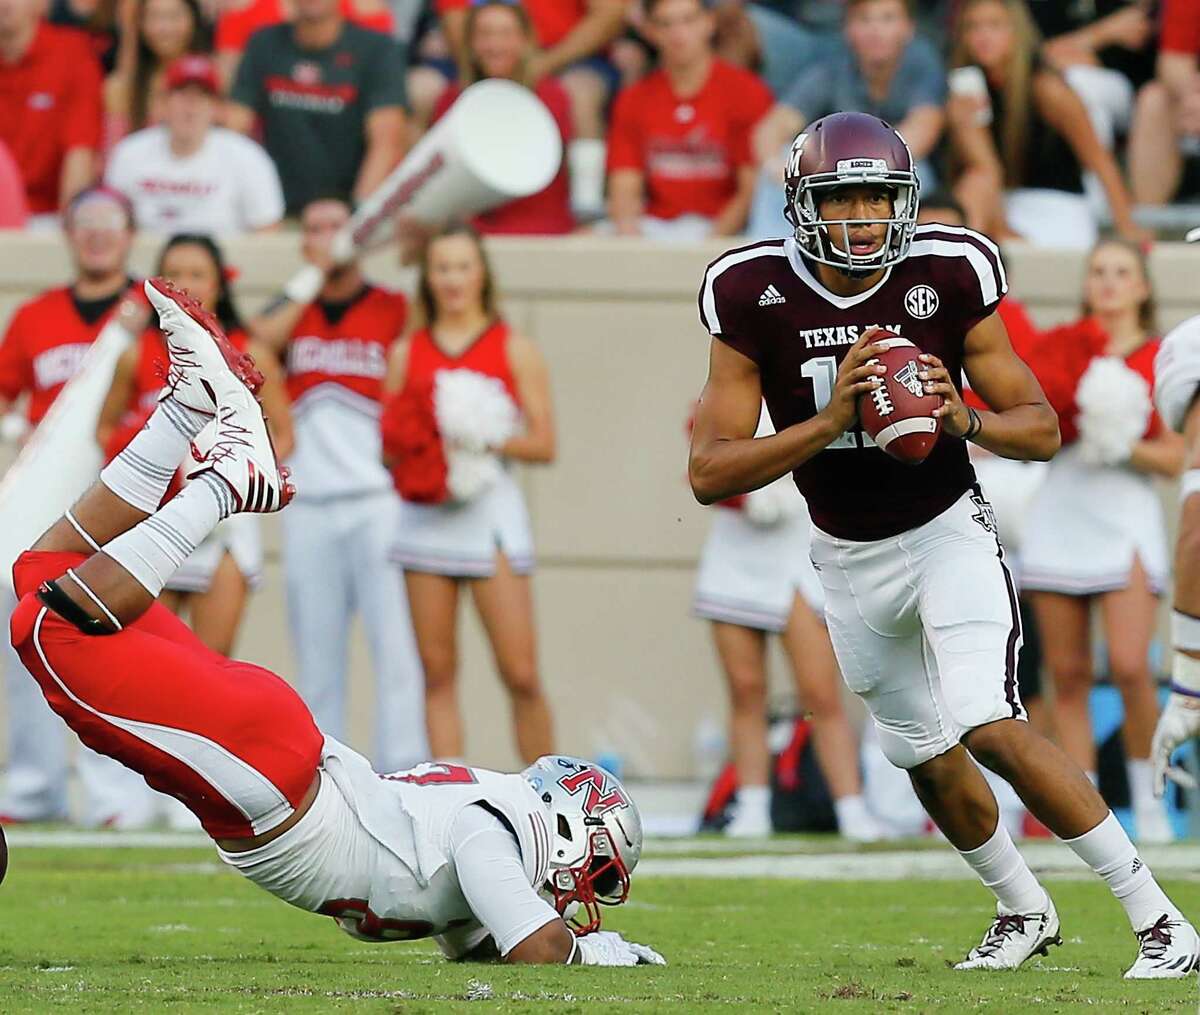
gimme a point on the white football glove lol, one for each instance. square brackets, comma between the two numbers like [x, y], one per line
[1179, 722]
[608, 948]
[647, 956]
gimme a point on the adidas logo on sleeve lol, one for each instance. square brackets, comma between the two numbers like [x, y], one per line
[770, 296]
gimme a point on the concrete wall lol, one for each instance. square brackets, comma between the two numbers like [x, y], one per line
[617, 531]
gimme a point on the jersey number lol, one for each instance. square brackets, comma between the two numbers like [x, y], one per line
[366, 924]
[822, 371]
[435, 774]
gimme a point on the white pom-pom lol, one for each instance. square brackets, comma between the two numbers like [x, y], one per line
[470, 473]
[772, 504]
[1114, 410]
[473, 410]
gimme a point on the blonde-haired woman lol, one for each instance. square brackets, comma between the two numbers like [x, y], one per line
[499, 44]
[1021, 138]
[1095, 533]
[463, 523]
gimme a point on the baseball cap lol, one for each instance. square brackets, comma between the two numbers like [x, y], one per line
[193, 69]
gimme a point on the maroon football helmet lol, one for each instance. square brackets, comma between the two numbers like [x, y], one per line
[844, 149]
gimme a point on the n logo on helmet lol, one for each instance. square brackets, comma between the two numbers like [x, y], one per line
[599, 797]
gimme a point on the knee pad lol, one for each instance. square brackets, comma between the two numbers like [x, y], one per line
[55, 599]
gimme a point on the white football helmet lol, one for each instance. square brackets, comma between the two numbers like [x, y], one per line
[597, 837]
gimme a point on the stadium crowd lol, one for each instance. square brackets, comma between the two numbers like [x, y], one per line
[674, 112]
[198, 120]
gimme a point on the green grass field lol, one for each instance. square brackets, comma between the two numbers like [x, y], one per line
[169, 929]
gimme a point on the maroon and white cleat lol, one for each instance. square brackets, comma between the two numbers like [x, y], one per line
[237, 447]
[203, 360]
[1013, 938]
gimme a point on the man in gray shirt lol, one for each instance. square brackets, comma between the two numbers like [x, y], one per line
[330, 96]
[881, 67]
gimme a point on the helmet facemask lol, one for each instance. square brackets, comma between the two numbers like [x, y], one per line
[600, 879]
[813, 232]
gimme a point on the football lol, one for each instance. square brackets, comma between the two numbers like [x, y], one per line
[898, 414]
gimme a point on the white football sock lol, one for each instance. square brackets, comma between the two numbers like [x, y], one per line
[1141, 784]
[1002, 869]
[1108, 851]
[141, 473]
[154, 548]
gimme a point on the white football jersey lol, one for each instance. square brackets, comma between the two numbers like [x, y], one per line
[1177, 373]
[375, 850]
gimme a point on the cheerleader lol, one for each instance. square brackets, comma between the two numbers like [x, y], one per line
[1095, 533]
[467, 396]
[212, 585]
[756, 578]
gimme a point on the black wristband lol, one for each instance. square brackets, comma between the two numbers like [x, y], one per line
[975, 425]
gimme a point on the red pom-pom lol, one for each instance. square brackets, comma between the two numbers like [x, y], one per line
[412, 441]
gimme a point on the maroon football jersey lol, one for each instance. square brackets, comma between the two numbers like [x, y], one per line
[767, 302]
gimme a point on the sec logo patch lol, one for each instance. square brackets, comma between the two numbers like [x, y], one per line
[921, 301]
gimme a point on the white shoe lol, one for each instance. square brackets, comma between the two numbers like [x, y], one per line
[862, 829]
[202, 357]
[1152, 824]
[1014, 937]
[1168, 949]
[856, 823]
[749, 823]
[237, 447]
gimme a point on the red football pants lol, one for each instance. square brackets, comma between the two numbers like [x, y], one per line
[232, 740]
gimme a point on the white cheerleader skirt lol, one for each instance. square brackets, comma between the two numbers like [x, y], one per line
[1086, 526]
[239, 536]
[461, 540]
[750, 574]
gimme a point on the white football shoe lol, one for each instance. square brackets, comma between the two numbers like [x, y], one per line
[1014, 937]
[1168, 949]
[237, 447]
[751, 819]
[856, 823]
[202, 359]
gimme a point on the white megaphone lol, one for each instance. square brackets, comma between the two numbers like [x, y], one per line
[497, 143]
[62, 458]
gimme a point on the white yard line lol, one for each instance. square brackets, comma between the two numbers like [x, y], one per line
[766, 858]
[29, 838]
[1045, 858]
